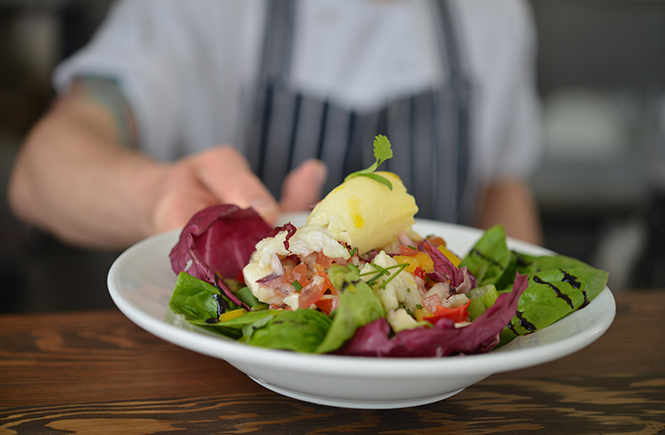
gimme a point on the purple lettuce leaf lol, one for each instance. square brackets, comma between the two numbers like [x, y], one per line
[445, 270]
[218, 239]
[442, 339]
[290, 232]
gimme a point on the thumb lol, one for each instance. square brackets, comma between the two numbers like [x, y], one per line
[302, 187]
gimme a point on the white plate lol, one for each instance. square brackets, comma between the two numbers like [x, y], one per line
[141, 281]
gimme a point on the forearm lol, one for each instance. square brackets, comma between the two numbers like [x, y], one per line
[74, 179]
[511, 204]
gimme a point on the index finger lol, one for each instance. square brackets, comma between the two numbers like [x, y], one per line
[226, 174]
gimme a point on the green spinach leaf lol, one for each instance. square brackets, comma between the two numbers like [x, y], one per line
[490, 260]
[358, 306]
[553, 294]
[195, 299]
[301, 331]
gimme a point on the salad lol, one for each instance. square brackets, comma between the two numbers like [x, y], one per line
[357, 280]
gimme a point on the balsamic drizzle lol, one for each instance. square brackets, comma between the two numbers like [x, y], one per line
[559, 293]
[512, 328]
[521, 261]
[574, 283]
[488, 259]
[222, 305]
[570, 279]
[524, 323]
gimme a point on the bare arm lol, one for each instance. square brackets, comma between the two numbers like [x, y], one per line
[75, 179]
[510, 203]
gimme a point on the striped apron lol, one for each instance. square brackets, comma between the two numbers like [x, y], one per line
[429, 132]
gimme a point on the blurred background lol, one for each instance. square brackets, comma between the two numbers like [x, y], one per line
[601, 189]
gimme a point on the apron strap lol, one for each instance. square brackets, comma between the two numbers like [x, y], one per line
[278, 41]
[457, 208]
[429, 131]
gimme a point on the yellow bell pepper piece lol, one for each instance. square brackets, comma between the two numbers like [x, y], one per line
[421, 313]
[411, 262]
[231, 314]
[452, 257]
[421, 259]
[425, 262]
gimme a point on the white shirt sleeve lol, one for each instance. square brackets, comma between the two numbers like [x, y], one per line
[179, 64]
[501, 43]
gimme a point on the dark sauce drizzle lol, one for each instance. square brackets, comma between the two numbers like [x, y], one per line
[521, 261]
[559, 293]
[488, 259]
[574, 283]
[525, 323]
[512, 328]
[570, 279]
[222, 305]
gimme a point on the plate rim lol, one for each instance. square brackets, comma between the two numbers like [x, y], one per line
[361, 367]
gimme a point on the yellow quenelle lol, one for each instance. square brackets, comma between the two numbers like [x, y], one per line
[364, 213]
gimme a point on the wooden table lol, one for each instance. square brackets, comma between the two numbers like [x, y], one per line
[96, 372]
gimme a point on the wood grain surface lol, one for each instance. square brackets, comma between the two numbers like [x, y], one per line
[96, 372]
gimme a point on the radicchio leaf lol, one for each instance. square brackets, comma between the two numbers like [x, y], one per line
[220, 238]
[445, 270]
[290, 231]
[442, 339]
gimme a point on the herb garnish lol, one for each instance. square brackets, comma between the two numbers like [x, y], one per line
[384, 271]
[382, 152]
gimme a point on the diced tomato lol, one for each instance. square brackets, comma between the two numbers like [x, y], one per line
[430, 303]
[407, 250]
[459, 314]
[327, 285]
[327, 303]
[299, 273]
[315, 289]
[436, 241]
[323, 261]
[419, 273]
[309, 295]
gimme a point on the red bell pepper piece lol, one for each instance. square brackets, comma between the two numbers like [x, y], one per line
[459, 314]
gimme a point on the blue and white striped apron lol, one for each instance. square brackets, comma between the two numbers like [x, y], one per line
[429, 132]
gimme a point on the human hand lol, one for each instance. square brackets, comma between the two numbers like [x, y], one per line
[302, 187]
[222, 175]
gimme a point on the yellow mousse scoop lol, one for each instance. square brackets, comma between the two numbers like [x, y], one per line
[365, 213]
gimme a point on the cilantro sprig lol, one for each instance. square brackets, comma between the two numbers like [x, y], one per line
[382, 152]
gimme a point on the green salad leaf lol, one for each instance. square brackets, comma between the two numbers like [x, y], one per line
[490, 260]
[382, 152]
[301, 330]
[198, 302]
[553, 294]
[358, 306]
[195, 299]
[558, 285]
